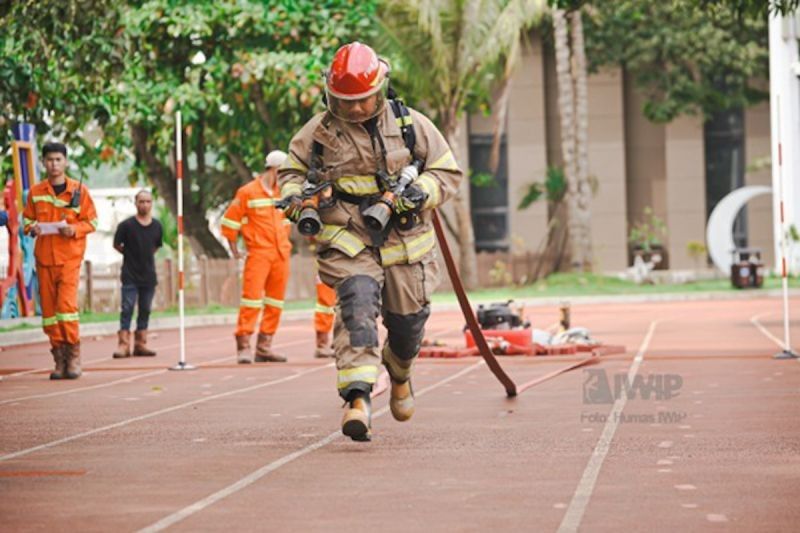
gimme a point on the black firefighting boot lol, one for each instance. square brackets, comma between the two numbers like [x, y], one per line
[264, 353]
[60, 360]
[357, 420]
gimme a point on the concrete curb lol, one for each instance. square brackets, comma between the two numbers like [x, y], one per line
[32, 336]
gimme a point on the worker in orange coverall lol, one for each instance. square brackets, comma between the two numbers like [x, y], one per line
[324, 313]
[266, 270]
[60, 213]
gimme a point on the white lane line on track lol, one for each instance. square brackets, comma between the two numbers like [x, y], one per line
[251, 478]
[128, 379]
[103, 359]
[159, 412]
[755, 321]
[583, 493]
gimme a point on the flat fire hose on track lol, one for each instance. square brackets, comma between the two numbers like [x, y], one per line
[469, 316]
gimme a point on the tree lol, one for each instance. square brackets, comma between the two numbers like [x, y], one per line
[687, 56]
[447, 57]
[245, 74]
[573, 109]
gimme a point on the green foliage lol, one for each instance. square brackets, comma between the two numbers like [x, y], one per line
[687, 56]
[245, 74]
[648, 233]
[482, 179]
[553, 188]
[696, 249]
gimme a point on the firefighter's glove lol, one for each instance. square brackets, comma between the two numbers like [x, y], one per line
[412, 200]
[293, 206]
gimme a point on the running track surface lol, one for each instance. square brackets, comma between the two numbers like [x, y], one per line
[132, 446]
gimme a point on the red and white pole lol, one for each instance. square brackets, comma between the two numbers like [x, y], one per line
[787, 352]
[182, 365]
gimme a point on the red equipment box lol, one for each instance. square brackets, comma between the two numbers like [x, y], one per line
[517, 337]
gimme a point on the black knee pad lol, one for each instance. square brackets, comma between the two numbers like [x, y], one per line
[359, 301]
[406, 331]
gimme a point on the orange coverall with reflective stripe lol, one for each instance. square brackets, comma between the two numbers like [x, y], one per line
[266, 269]
[325, 309]
[58, 258]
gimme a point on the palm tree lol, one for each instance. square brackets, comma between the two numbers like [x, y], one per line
[573, 112]
[447, 54]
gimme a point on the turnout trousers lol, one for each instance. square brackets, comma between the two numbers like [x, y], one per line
[365, 288]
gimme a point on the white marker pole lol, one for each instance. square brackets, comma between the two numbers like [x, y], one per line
[787, 352]
[182, 365]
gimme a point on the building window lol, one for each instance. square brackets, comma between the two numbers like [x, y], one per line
[489, 203]
[724, 147]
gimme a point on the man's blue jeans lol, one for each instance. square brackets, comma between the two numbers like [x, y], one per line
[130, 294]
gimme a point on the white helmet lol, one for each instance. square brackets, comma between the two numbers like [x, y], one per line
[275, 159]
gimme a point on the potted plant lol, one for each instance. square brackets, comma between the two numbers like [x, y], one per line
[646, 239]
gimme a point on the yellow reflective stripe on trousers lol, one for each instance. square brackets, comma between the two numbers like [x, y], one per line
[445, 162]
[358, 185]
[232, 224]
[68, 317]
[49, 321]
[429, 184]
[253, 304]
[261, 202]
[94, 223]
[340, 238]
[55, 201]
[410, 251]
[366, 374]
[291, 189]
[324, 309]
[272, 302]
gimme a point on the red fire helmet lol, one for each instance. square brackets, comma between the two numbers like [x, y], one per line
[356, 73]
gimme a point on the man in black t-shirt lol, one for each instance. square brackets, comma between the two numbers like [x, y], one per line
[137, 239]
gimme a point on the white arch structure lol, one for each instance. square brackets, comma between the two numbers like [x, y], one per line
[719, 230]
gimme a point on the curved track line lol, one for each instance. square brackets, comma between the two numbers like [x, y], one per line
[251, 478]
[125, 380]
[583, 493]
[152, 414]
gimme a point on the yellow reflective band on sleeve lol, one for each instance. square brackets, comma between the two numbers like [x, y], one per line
[410, 251]
[68, 317]
[365, 374]
[291, 189]
[404, 121]
[358, 185]
[28, 221]
[293, 164]
[55, 201]
[49, 321]
[261, 202]
[232, 224]
[252, 304]
[287, 222]
[272, 302]
[341, 239]
[431, 187]
[94, 223]
[446, 162]
[324, 309]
